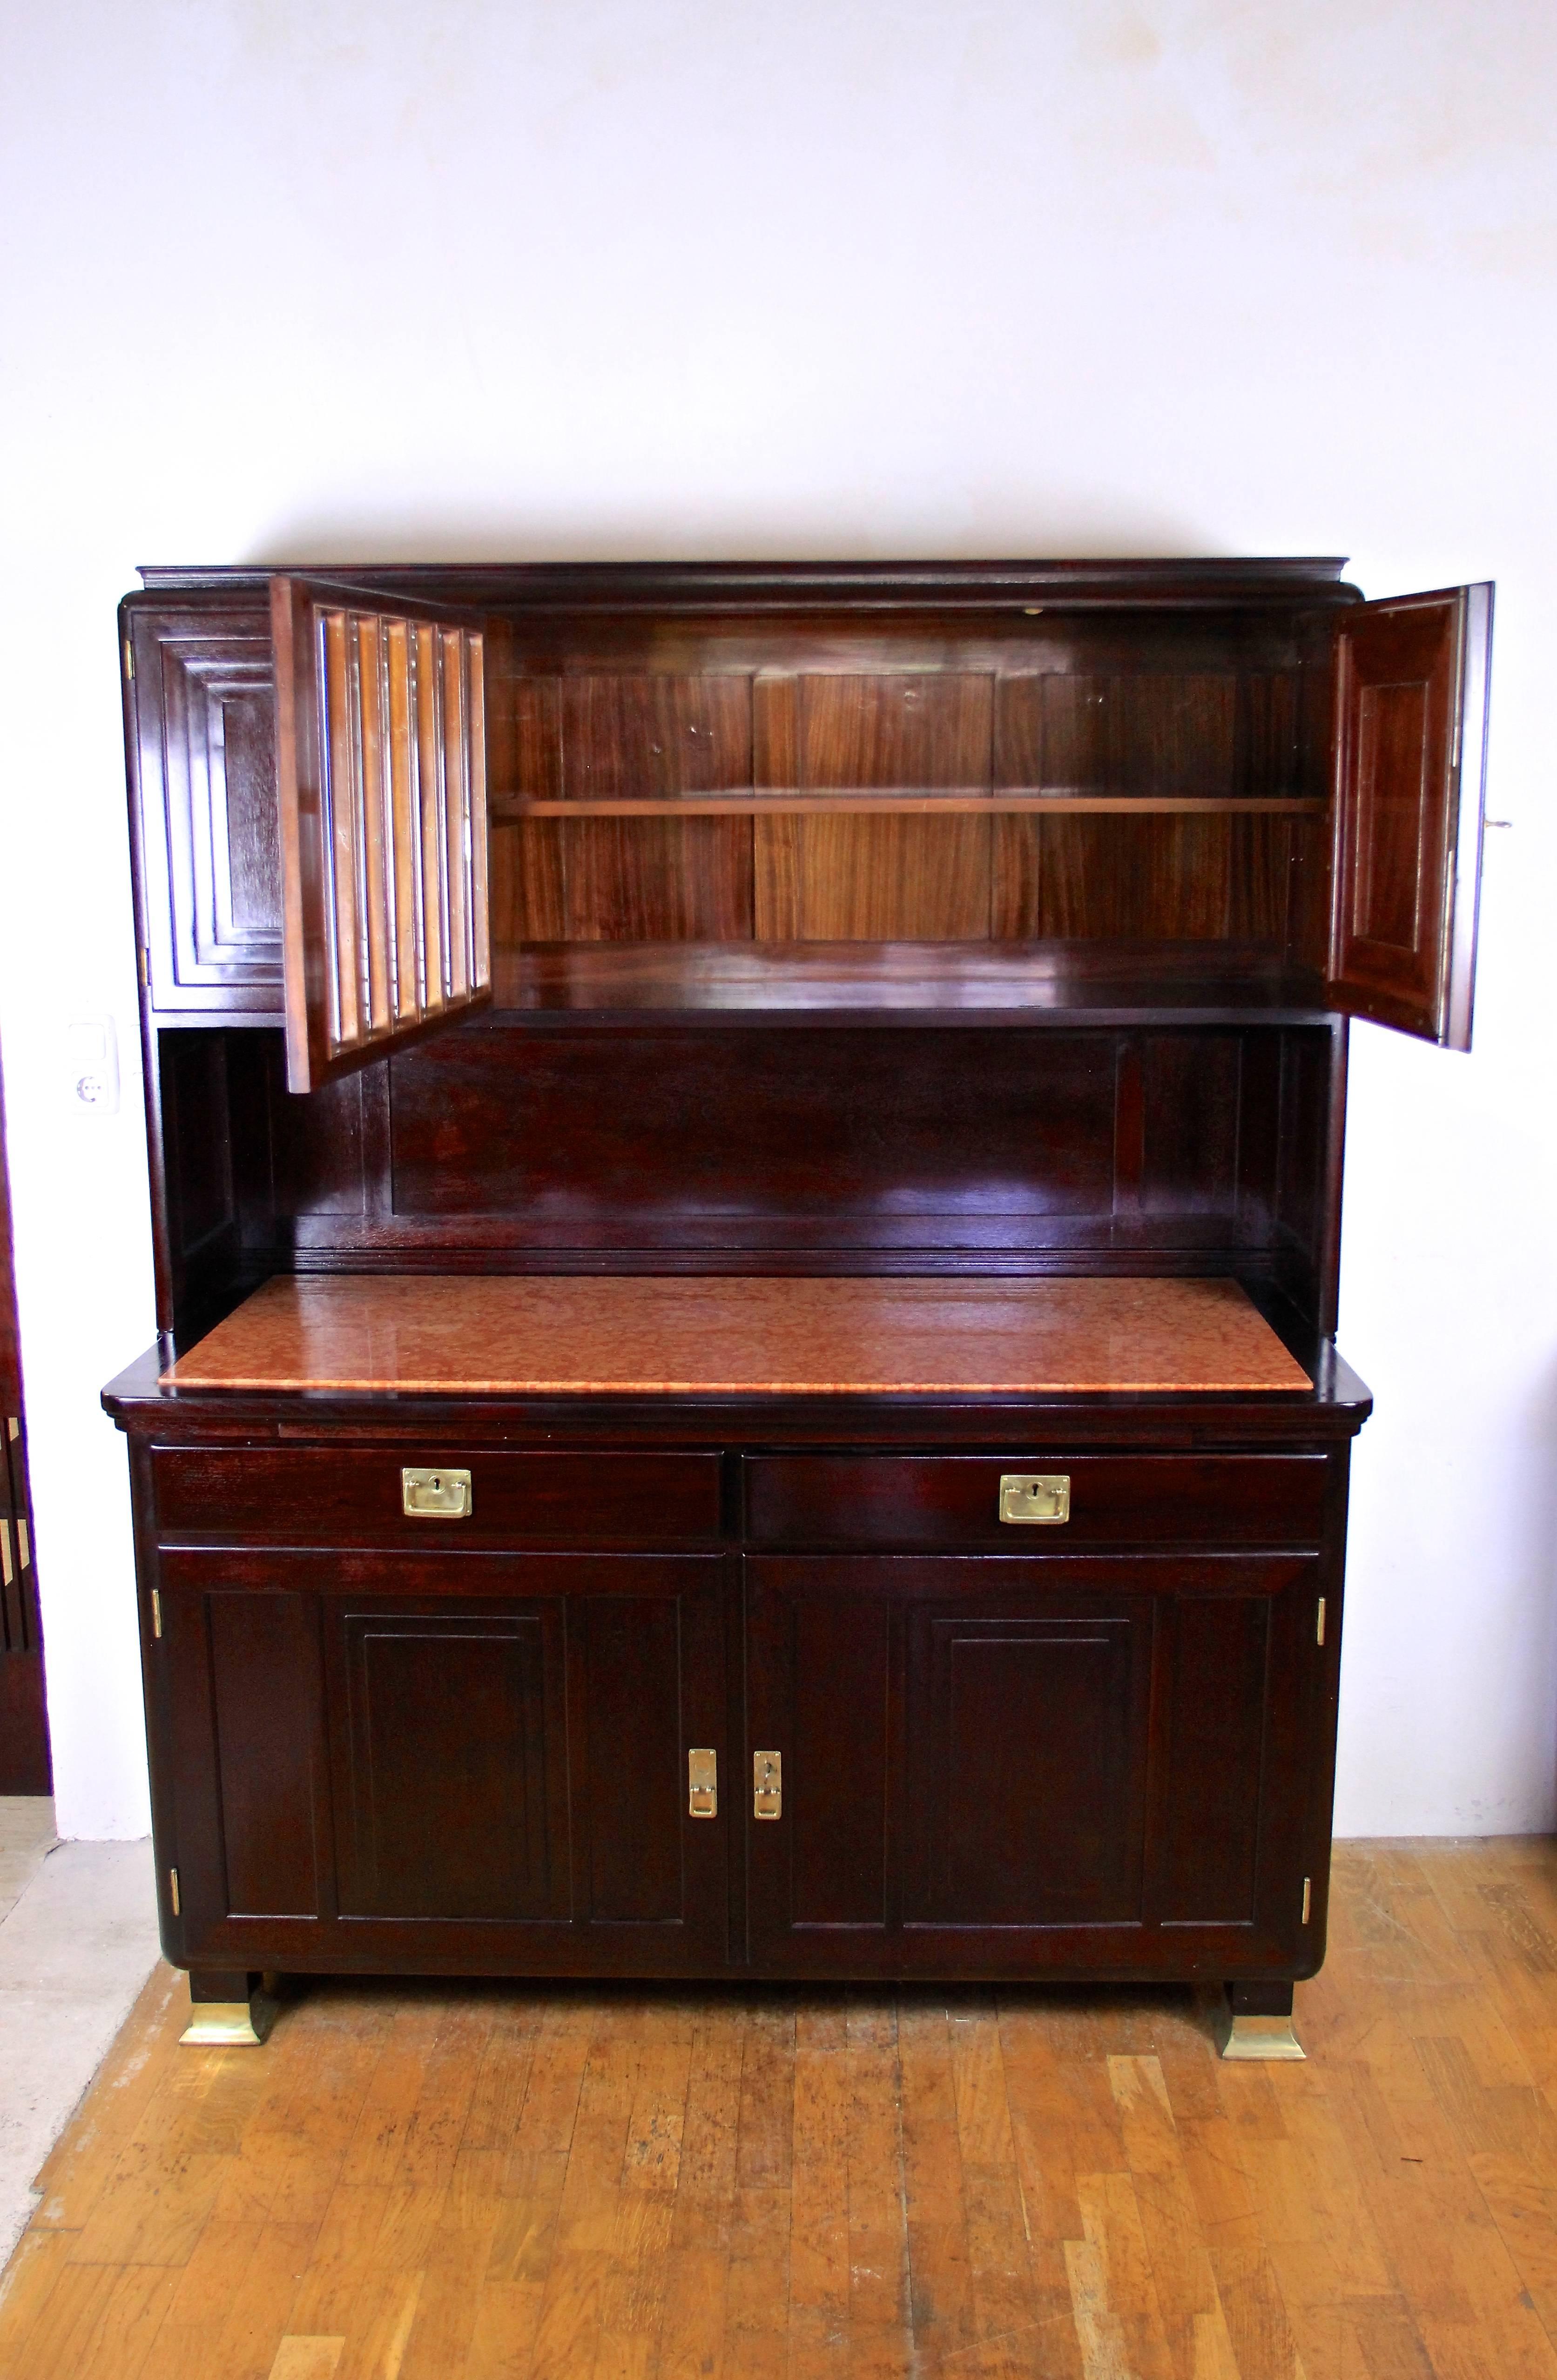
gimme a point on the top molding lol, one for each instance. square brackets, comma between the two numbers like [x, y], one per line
[1189, 584]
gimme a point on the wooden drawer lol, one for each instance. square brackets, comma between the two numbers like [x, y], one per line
[351, 1496]
[923, 1502]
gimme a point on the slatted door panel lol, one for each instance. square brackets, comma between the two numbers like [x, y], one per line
[1409, 744]
[382, 787]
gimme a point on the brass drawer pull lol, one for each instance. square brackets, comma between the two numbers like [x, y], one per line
[702, 1784]
[766, 1785]
[1035, 1496]
[439, 1495]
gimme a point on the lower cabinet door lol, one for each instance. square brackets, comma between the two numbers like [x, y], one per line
[1014, 1766]
[475, 1761]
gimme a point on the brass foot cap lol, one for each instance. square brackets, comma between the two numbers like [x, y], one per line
[1256, 2036]
[229, 2024]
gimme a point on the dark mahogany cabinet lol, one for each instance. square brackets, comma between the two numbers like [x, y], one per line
[746, 1172]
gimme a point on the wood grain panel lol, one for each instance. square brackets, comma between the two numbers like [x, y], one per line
[1260, 877]
[1191, 1108]
[1132, 878]
[631, 735]
[528, 885]
[654, 734]
[1218, 735]
[1142, 879]
[920, 727]
[744, 1131]
[382, 775]
[538, 757]
[856, 878]
[656, 880]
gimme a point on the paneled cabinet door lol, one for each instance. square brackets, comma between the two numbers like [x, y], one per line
[482, 1757]
[381, 792]
[199, 690]
[509, 1741]
[1409, 763]
[1015, 1765]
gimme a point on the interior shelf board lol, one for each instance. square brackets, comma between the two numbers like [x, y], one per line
[868, 982]
[898, 801]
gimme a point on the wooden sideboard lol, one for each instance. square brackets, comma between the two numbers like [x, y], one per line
[746, 1170]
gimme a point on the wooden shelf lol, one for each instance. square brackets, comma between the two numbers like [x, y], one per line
[892, 801]
[882, 982]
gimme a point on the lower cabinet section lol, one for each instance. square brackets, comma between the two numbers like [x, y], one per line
[478, 1762]
[1087, 1765]
[1066, 1766]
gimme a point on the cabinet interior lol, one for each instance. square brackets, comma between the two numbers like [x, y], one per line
[1053, 789]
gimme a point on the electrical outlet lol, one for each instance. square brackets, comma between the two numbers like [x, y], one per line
[92, 1056]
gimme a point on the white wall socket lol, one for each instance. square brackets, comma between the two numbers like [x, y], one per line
[92, 1055]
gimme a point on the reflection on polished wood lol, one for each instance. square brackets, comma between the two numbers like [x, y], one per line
[655, 1336]
[500, 2183]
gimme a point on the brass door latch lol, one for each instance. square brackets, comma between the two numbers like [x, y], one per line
[702, 1784]
[766, 1785]
[1035, 1496]
[439, 1495]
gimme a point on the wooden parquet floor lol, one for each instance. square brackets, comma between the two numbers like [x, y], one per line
[633, 2183]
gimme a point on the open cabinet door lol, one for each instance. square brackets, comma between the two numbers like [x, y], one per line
[381, 768]
[1408, 754]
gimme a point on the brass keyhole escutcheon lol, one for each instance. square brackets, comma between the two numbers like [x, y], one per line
[1040, 1498]
[436, 1495]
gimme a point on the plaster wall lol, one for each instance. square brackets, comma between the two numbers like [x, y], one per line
[505, 279]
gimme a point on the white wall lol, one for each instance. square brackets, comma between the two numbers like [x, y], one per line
[508, 279]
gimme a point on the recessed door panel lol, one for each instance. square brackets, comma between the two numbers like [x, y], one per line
[1408, 756]
[1028, 1728]
[454, 1771]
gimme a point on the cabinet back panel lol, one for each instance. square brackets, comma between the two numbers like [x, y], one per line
[737, 1148]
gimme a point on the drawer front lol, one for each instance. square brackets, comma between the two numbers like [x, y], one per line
[926, 1502]
[355, 1496]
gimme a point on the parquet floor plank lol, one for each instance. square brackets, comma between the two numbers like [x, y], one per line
[618, 2182]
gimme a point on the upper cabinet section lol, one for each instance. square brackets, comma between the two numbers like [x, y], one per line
[1411, 690]
[368, 802]
[381, 783]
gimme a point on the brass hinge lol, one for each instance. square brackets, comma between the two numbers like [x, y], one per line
[4, 1553]
[143, 963]
[24, 1550]
[173, 1889]
[1307, 1897]
[156, 1613]
[1319, 1624]
[129, 661]
[13, 1426]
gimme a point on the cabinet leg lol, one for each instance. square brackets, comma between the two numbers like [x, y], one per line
[1254, 2021]
[226, 2009]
